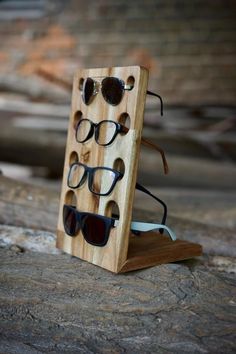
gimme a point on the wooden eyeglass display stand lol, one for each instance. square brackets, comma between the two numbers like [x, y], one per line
[124, 251]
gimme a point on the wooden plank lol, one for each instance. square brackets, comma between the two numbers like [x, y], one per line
[33, 148]
[33, 88]
[32, 108]
[125, 147]
[22, 204]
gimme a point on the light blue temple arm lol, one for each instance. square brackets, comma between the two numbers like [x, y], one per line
[145, 226]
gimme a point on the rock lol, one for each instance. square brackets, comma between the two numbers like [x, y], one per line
[19, 239]
[59, 304]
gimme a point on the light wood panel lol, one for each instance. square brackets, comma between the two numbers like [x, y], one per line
[125, 147]
[119, 254]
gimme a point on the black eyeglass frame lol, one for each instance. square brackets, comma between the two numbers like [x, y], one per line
[94, 129]
[89, 172]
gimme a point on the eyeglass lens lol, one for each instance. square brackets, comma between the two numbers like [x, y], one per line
[88, 90]
[112, 90]
[84, 130]
[76, 174]
[106, 130]
[70, 221]
[94, 229]
[102, 181]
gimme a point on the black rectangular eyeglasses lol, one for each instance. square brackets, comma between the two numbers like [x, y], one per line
[105, 133]
[101, 180]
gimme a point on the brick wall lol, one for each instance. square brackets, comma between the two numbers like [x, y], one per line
[189, 45]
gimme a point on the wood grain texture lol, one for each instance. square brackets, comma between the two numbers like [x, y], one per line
[22, 204]
[125, 147]
[153, 248]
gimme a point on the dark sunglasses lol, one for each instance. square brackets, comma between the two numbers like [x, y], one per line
[105, 133]
[112, 89]
[101, 180]
[96, 228]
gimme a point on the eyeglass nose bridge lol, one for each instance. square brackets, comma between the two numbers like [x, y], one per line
[96, 130]
[96, 87]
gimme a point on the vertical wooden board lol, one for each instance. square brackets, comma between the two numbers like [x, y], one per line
[125, 147]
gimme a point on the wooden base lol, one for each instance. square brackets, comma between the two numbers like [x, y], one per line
[152, 249]
[149, 249]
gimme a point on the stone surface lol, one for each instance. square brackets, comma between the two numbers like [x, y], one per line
[56, 303]
[59, 304]
[22, 239]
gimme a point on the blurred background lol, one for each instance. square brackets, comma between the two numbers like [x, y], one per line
[189, 48]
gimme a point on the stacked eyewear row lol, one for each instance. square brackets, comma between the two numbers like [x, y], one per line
[101, 180]
[96, 221]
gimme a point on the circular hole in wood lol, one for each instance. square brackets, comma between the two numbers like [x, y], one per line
[119, 165]
[77, 117]
[124, 120]
[70, 199]
[130, 81]
[81, 81]
[73, 157]
[112, 210]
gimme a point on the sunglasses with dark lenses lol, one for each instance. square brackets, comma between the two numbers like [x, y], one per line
[96, 228]
[101, 180]
[112, 89]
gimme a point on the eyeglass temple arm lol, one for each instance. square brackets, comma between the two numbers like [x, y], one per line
[157, 148]
[146, 226]
[142, 189]
[153, 146]
[156, 95]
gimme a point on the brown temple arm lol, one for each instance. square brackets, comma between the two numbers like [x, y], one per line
[157, 148]
[149, 144]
